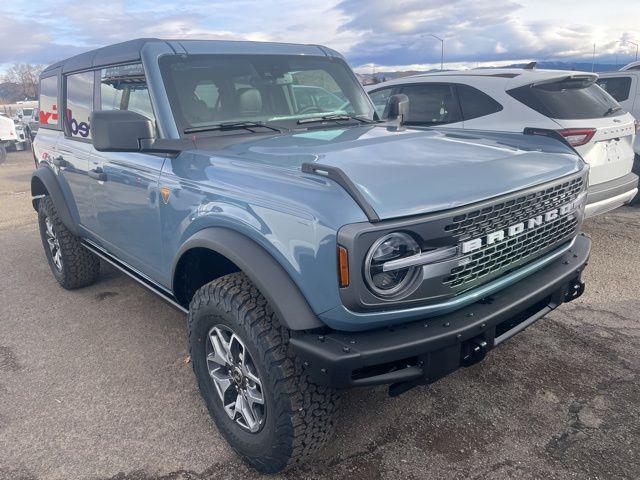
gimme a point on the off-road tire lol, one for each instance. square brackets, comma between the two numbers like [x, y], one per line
[3, 153]
[80, 267]
[299, 414]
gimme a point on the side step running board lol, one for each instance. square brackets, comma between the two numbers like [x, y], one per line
[133, 273]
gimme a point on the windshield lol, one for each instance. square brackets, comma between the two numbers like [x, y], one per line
[568, 99]
[277, 90]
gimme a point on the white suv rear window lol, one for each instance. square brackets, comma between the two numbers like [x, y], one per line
[569, 99]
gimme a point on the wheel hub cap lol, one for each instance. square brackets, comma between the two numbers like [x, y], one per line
[54, 244]
[235, 377]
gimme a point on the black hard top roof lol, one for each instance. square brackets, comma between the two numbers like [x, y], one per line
[127, 52]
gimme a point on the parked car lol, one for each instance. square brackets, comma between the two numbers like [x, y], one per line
[29, 118]
[313, 247]
[12, 136]
[512, 100]
[624, 87]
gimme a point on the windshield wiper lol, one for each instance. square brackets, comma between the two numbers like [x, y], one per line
[334, 118]
[232, 126]
[612, 110]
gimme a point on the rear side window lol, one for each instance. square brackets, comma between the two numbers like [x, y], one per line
[431, 104]
[125, 88]
[79, 104]
[475, 103]
[570, 99]
[49, 101]
[380, 98]
[617, 87]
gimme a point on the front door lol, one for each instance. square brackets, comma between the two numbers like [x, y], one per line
[127, 206]
[126, 191]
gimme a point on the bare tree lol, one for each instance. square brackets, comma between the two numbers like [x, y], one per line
[25, 75]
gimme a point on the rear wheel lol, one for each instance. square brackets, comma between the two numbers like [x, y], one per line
[72, 265]
[3, 153]
[263, 403]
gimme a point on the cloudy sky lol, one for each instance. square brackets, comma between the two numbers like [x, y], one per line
[380, 34]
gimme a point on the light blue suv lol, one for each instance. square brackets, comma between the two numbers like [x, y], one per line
[314, 247]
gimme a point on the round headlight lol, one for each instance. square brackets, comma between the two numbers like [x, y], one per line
[391, 283]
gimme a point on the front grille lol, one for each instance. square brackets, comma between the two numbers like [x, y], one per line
[495, 217]
[492, 258]
[501, 257]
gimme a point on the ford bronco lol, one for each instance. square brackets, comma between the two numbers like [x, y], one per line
[313, 246]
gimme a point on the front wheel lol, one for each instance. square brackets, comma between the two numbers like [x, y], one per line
[263, 403]
[3, 153]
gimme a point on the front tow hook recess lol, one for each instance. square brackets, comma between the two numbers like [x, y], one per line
[473, 351]
[574, 291]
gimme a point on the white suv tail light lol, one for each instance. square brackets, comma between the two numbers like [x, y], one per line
[577, 136]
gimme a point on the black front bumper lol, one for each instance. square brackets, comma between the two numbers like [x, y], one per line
[424, 351]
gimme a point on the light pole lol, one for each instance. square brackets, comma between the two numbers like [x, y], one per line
[632, 43]
[441, 49]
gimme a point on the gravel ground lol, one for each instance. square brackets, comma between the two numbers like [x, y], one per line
[93, 383]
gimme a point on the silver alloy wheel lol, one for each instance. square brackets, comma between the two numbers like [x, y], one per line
[54, 245]
[235, 378]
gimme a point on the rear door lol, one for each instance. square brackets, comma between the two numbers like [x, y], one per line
[75, 148]
[589, 118]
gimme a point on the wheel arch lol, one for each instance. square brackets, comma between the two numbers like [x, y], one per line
[236, 252]
[44, 182]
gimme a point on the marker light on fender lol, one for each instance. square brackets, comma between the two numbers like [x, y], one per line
[343, 266]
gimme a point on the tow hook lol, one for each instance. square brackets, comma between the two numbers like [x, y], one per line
[473, 351]
[574, 291]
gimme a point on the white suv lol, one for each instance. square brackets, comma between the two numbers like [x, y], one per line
[569, 103]
[624, 86]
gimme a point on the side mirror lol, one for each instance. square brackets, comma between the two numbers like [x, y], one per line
[120, 131]
[398, 107]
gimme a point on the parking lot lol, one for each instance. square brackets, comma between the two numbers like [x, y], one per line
[93, 383]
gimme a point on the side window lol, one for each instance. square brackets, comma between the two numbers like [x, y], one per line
[617, 87]
[432, 104]
[49, 101]
[79, 104]
[476, 103]
[125, 88]
[380, 98]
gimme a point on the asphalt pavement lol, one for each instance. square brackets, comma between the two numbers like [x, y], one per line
[93, 382]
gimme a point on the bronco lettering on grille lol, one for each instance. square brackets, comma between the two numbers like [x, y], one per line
[515, 230]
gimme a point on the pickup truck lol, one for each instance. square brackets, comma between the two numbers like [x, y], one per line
[313, 246]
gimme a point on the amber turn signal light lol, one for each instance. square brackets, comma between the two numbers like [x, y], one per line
[343, 266]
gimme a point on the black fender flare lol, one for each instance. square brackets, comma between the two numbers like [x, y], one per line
[46, 177]
[265, 272]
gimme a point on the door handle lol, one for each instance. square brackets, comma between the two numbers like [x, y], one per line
[60, 162]
[98, 174]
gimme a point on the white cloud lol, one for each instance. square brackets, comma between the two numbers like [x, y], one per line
[389, 33]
